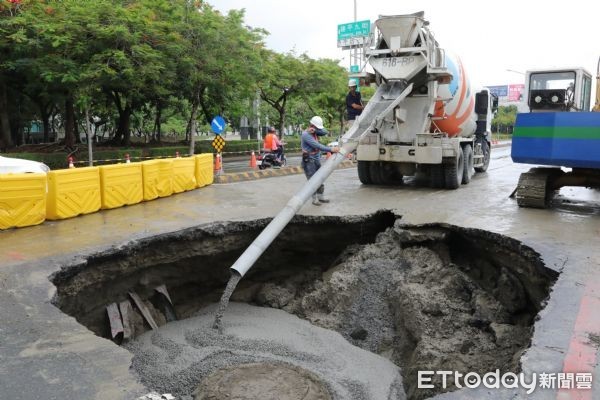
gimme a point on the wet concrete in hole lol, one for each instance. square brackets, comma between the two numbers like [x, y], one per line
[265, 381]
[425, 297]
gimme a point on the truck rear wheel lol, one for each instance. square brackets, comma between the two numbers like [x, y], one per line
[468, 163]
[364, 174]
[437, 176]
[453, 171]
[485, 148]
[375, 173]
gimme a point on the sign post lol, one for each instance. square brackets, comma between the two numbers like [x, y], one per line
[354, 36]
[218, 125]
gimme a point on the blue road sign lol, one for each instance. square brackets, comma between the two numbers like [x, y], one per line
[500, 91]
[218, 125]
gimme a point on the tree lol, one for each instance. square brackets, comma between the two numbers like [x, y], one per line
[505, 117]
[212, 77]
[326, 90]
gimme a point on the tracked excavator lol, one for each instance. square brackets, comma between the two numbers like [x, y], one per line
[560, 133]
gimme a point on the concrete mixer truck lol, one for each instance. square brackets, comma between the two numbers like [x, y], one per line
[441, 128]
[423, 117]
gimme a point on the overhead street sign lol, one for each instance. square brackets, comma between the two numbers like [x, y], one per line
[354, 29]
[353, 34]
[218, 143]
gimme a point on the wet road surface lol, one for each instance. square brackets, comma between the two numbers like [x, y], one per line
[46, 354]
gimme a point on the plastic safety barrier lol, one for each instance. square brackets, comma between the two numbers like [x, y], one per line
[121, 184]
[164, 185]
[184, 177]
[150, 175]
[22, 200]
[72, 192]
[204, 169]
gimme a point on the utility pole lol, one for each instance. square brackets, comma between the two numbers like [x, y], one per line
[355, 61]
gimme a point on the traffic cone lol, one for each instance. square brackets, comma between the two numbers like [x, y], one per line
[127, 160]
[71, 165]
[177, 154]
[218, 163]
[252, 160]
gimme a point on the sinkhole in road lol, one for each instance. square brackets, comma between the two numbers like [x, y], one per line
[337, 307]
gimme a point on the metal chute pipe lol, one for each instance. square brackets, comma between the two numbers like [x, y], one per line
[266, 237]
[370, 115]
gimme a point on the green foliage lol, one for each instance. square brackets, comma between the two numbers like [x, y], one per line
[101, 157]
[159, 152]
[505, 118]
[242, 146]
[149, 67]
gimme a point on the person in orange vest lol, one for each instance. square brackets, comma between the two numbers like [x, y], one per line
[272, 143]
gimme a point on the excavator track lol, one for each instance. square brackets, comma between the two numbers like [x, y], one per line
[536, 186]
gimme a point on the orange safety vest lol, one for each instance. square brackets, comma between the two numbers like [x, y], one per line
[269, 142]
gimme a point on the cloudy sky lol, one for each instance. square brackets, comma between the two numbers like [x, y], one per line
[490, 37]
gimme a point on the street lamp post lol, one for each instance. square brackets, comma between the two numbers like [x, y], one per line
[516, 72]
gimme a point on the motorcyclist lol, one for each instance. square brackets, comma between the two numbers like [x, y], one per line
[273, 144]
[311, 154]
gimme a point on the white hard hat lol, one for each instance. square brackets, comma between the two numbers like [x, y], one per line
[351, 82]
[317, 121]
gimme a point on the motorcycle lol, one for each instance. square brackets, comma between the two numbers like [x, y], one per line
[269, 159]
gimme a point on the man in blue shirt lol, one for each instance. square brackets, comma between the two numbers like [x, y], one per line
[311, 154]
[354, 104]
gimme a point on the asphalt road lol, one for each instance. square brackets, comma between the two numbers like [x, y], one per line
[243, 165]
[47, 355]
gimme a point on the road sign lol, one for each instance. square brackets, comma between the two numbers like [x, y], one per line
[500, 91]
[354, 68]
[354, 29]
[218, 143]
[218, 125]
[353, 33]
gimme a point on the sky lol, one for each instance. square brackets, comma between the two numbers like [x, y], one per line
[489, 37]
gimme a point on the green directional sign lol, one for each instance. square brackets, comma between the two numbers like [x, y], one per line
[354, 29]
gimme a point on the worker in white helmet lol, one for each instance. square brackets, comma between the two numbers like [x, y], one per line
[311, 154]
[354, 105]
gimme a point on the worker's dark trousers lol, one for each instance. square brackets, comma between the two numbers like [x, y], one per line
[310, 167]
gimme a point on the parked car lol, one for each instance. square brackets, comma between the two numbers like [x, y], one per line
[16, 165]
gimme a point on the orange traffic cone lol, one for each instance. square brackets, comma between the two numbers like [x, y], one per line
[127, 160]
[218, 163]
[252, 160]
[71, 165]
